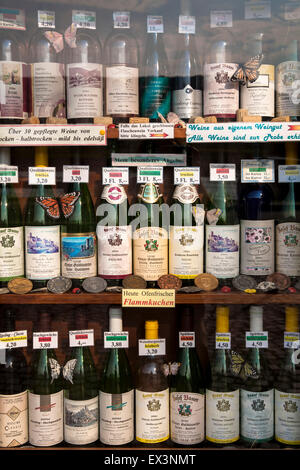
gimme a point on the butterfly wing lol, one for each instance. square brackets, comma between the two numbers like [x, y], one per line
[237, 362]
[239, 75]
[250, 371]
[68, 202]
[50, 205]
[248, 70]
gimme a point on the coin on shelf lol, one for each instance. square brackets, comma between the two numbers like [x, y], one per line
[134, 282]
[266, 286]
[169, 281]
[20, 285]
[206, 281]
[59, 285]
[281, 281]
[94, 285]
[189, 289]
[244, 282]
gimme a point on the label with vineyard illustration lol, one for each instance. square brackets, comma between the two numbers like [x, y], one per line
[257, 247]
[84, 88]
[150, 252]
[79, 255]
[13, 86]
[114, 251]
[187, 417]
[11, 253]
[222, 250]
[288, 248]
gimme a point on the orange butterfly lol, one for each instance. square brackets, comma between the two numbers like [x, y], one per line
[50, 205]
[68, 202]
[248, 70]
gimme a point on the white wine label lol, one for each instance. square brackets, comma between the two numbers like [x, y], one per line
[122, 96]
[222, 416]
[9, 174]
[150, 175]
[257, 247]
[13, 339]
[222, 250]
[46, 19]
[113, 340]
[287, 417]
[115, 175]
[45, 340]
[258, 98]
[221, 19]
[287, 79]
[150, 253]
[11, 253]
[42, 175]
[116, 418]
[185, 193]
[81, 338]
[222, 172]
[84, 19]
[152, 347]
[79, 255]
[187, 102]
[288, 248]
[155, 24]
[186, 339]
[84, 90]
[257, 10]
[221, 96]
[187, 417]
[114, 251]
[114, 194]
[121, 19]
[13, 419]
[46, 419]
[186, 175]
[81, 421]
[76, 174]
[289, 174]
[152, 416]
[257, 415]
[42, 249]
[186, 25]
[12, 18]
[186, 251]
[257, 171]
[13, 89]
[223, 340]
[292, 339]
[257, 340]
[48, 89]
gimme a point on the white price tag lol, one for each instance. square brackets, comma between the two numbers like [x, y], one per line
[155, 24]
[42, 175]
[292, 11]
[81, 338]
[222, 172]
[152, 347]
[257, 171]
[75, 174]
[256, 10]
[187, 175]
[146, 130]
[84, 19]
[9, 174]
[150, 175]
[292, 339]
[13, 339]
[289, 174]
[221, 19]
[223, 340]
[12, 18]
[186, 339]
[46, 19]
[115, 340]
[257, 340]
[187, 24]
[115, 175]
[45, 340]
[121, 19]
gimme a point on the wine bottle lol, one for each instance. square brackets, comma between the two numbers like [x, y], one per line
[222, 393]
[287, 386]
[122, 71]
[257, 393]
[152, 396]
[187, 391]
[11, 227]
[116, 391]
[46, 391]
[81, 390]
[287, 76]
[42, 230]
[13, 391]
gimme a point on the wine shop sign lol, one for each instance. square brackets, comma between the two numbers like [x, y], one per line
[163, 298]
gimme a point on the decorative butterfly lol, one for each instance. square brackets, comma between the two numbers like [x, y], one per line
[241, 367]
[55, 369]
[68, 370]
[51, 206]
[248, 70]
[57, 39]
[68, 202]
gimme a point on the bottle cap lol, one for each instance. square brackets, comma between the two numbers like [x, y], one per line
[115, 319]
[151, 329]
[4, 156]
[256, 318]
[291, 319]
[222, 320]
[41, 156]
[291, 153]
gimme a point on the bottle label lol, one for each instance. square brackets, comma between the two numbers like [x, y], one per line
[186, 251]
[85, 90]
[187, 417]
[287, 76]
[222, 416]
[257, 247]
[156, 97]
[79, 256]
[221, 95]
[257, 415]
[114, 251]
[116, 418]
[13, 86]
[13, 419]
[11, 253]
[46, 419]
[42, 250]
[187, 102]
[288, 248]
[185, 193]
[287, 417]
[259, 97]
[150, 252]
[48, 90]
[114, 194]
[152, 416]
[81, 421]
[122, 95]
[222, 250]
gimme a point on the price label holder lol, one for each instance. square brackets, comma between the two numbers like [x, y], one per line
[186, 175]
[221, 19]
[150, 175]
[187, 24]
[113, 340]
[45, 340]
[115, 175]
[155, 24]
[84, 19]
[289, 174]
[257, 340]
[223, 340]
[81, 338]
[13, 339]
[145, 298]
[257, 10]
[292, 340]
[222, 172]
[42, 175]
[257, 171]
[186, 339]
[46, 19]
[75, 174]
[12, 18]
[121, 19]
[152, 347]
[9, 174]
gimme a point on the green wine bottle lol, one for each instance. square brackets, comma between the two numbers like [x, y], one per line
[46, 390]
[116, 391]
[187, 392]
[81, 390]
[42, 230]
[11, 226]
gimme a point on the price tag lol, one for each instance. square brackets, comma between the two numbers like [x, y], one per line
[155, 24]
[46, 19]
[186, 339]
[256, 10]
[12, 18]
[221, 19]
[13, 339]
[292, 11]
[9, 174]
[187, 175]
[45, 340]
[121, 19]
[81, 338]
[257, 171]
[292, 340]
[75, 174]
[257, 340]
[116, 340]
[187, 24]
[42, 175]
[218, 172]
[115, 175]
[152, 347]
[289, 173]
[84, 19]
[150, 175]
[223, 340]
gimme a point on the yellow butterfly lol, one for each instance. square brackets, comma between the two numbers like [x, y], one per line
[241, 367]
[248, 70]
